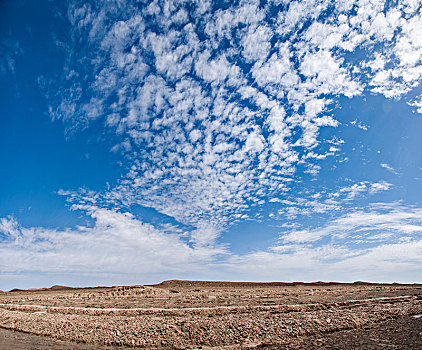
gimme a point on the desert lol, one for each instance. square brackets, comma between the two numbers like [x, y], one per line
[233, 315]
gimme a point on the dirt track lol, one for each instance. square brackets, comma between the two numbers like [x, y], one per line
[178, 314]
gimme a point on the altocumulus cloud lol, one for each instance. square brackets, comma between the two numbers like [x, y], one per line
[217, 107]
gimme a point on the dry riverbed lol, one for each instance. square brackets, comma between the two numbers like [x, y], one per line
[177, 314]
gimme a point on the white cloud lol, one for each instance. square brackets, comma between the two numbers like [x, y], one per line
[326, 74]
[380, 186]
[275, 70]
[195, 135]
[117, 243]
[256, 43]
[215, 108]
[323, 202]
[417, 103]
[122, 245]
[381, 243]
[399, 262]
[396, 219]
[389, 168]
[254, 143]
[359, 125]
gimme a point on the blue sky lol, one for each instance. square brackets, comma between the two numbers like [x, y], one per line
[246, 140]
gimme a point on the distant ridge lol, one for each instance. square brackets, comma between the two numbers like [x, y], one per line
[55, 287]
[198, 284]
[187, 283]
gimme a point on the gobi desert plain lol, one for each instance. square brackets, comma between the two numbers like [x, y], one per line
[203, 315]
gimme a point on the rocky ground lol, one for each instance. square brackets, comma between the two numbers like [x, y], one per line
[177, 314]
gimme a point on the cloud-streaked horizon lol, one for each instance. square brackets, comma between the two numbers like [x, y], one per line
[222, 114]
[383, 244]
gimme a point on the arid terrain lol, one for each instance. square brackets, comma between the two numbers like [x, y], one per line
[185, 314]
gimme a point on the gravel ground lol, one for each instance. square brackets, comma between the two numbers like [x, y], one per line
[404, 333]
[12, 340]
[182, 315]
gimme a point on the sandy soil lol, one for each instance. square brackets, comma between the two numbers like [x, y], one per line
[177, 314]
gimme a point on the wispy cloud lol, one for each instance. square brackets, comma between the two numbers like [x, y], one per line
[324, 201]
[389, 168]
[392, 221]
[117, 243]
[381, 243]
[10, 50]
